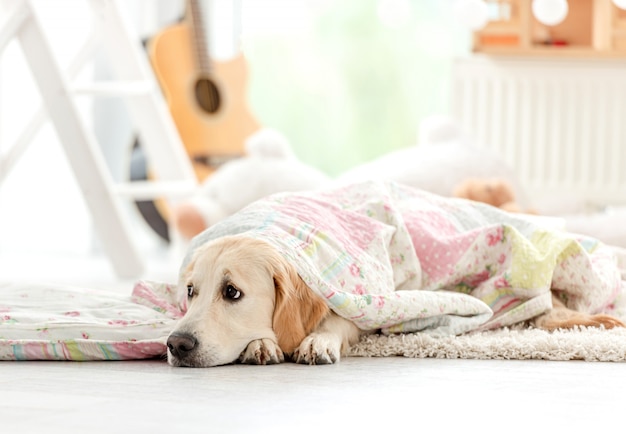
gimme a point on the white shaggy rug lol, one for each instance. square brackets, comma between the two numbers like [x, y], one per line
[519, 342]
[590, 344]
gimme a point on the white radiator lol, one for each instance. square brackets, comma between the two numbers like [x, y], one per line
[561, 124]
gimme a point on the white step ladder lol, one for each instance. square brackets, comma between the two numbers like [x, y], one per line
[137, 85]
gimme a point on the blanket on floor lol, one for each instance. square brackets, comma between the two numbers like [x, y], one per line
[390, 257]
[55, 322]
[383, 255]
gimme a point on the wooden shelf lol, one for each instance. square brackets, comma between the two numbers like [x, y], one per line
[570, 51]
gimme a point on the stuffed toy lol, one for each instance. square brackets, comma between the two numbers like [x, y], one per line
[441, 160]
[268, 167]
[493, 191]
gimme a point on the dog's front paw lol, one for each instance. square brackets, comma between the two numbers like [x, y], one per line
[317, 349]
[262, 352]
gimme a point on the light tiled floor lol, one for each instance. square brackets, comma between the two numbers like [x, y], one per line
[358, 395]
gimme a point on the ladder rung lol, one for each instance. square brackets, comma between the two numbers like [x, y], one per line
[146, 190]
[115, 88]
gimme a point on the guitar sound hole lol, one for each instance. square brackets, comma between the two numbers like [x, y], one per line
[207, 95]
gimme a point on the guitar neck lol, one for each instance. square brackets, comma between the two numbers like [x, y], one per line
[200, 39]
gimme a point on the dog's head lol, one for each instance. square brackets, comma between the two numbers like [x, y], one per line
[239, 290]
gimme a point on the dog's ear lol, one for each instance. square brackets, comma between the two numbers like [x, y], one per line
[297, 312]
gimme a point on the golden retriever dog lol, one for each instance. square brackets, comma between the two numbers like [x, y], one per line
[248, 304]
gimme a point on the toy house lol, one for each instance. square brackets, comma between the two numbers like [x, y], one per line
[591, 28]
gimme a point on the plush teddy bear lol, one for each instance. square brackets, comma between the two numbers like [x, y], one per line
[442, 159]
[493, 191]
[268, 167]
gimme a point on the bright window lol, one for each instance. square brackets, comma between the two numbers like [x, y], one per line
[349, 80]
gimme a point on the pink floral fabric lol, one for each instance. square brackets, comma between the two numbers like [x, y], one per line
[394, 258]
[382, 255]
[53, 322]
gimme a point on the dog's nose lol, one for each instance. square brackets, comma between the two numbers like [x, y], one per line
[181, 344]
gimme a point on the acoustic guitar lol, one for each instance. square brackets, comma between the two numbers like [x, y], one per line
[207, 101]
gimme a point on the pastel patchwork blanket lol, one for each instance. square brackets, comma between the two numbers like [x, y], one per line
[383, 255]
[390, 257]
[55, 322]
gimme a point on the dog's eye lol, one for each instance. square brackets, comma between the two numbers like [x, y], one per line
[190, 290]
[232, 293]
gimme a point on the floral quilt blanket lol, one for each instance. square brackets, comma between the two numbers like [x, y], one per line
[385, 256]
[390, 257]
[56, 322]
